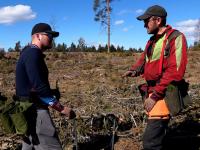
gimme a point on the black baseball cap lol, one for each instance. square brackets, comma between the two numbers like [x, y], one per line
[154, 10]
[44, 27]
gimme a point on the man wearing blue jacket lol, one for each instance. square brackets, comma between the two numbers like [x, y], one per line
[32, 83]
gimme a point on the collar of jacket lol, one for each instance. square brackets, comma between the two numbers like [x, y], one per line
[156, 37]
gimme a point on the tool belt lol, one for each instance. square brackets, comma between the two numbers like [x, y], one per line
[33, 98]
[176, 95]
[143, 88]
[151, 83]
[12, 116]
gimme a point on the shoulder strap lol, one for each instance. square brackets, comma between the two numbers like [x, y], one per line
[163, 50]
[174, 34]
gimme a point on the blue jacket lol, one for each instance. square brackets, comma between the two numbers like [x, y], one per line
[32, 73]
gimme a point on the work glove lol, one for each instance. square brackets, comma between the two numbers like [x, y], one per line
[129, 73]
[68, 112]
[149, 104]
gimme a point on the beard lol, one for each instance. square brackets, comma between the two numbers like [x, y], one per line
[47, 46]
[153, 31]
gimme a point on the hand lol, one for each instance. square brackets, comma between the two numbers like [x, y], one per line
[56, 93]
[148, 104]
[68, 112]
[129, 74]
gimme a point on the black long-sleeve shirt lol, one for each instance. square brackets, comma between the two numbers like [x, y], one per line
[32, 73]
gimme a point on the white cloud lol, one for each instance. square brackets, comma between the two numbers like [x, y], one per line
[189, 28]
[188, 23]
[185, 29]
[12, 14]
[139, 11]
[125, 29]
[125, 11]
[119, 22]
[122, 12]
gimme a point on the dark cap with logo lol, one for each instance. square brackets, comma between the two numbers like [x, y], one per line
[155, 10]
[43, 27]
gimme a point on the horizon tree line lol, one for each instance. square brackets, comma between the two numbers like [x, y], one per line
[81, 46]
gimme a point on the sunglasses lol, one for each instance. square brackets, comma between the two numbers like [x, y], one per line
[50, 36]
[150, 19]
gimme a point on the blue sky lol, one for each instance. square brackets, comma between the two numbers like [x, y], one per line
[75, 19]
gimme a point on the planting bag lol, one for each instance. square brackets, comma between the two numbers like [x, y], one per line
[177, 97]
[12, 117]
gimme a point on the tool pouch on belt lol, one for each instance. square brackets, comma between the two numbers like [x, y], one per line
[177, 97]
[12, 116]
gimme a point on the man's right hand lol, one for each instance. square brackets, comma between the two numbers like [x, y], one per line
[68, 112]
[129, 74]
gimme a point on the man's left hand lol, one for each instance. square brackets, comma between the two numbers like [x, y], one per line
[148, 104]
[68, 112]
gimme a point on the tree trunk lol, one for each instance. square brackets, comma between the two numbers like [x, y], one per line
[108, 11]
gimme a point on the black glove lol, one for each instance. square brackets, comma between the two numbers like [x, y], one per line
[72, 115]
[56, 93]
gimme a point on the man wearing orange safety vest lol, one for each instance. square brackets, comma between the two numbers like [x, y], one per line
[162, 62]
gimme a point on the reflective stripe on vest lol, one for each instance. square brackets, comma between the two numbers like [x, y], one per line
[163, 50]
[156, 50]
[178, 46]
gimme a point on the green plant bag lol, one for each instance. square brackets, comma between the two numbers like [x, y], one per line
[19, 122]
[172, 100]
[13, 118]
[177, 97]
[18, 118]
[6, 122]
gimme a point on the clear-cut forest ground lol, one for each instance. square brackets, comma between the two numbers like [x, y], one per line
[92, 84]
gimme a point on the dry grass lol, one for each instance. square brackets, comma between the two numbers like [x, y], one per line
[92, 83]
